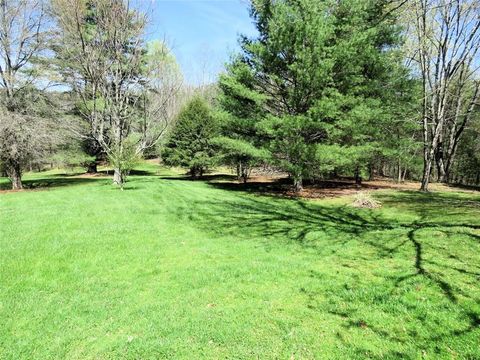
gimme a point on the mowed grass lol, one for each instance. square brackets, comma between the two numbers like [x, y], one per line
[171, 268]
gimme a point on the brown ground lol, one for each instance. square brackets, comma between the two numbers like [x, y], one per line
[335, 188]
[91, 176]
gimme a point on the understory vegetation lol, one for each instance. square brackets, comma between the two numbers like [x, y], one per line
[174, 268]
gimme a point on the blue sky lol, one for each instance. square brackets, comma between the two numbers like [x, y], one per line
[201, 33]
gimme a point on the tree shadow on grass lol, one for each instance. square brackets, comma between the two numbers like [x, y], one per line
[52, 182]
[295, 219]
[431, 203]
[332, 229]
[466, 187]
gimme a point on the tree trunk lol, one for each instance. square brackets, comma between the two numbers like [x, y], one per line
[384, 170]
[428, 158]
[441, 173]
[298, 184]
[244, 173]
[92, 168]
[442, 176]
[399, 172]
[118, 177]
[358, 178]
[195, 172]
[15, 176]
[371, 172]
[239, 171]
[427, 168]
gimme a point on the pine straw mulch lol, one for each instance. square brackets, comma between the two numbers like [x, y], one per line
[280, 186]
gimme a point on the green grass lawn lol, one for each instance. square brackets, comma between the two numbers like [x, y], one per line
[171, 268]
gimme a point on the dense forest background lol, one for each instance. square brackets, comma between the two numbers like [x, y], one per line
[327, 89]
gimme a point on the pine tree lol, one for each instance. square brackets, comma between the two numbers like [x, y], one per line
[288, 68]
[190, 142]
[240, 144]
[322, 70]
[367, 77]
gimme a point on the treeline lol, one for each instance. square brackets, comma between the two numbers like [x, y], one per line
[326, 89]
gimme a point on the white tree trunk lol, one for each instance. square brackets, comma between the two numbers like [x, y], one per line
[118, 177]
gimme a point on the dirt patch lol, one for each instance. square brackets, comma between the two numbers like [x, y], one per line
[10, 191]
[281, 186]
[91, 176]
[321, 193]
[265, 178]
[342, 188]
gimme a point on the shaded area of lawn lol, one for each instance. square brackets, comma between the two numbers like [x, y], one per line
[452, 216]
[51, 182]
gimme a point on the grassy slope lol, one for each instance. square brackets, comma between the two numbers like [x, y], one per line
[179, 269]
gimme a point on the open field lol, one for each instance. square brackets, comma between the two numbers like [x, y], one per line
[172, 268]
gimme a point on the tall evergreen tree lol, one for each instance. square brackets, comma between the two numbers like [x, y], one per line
[288, 67]
[321, 72]
[372, 91]
[240, 144]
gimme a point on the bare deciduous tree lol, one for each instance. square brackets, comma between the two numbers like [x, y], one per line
[24, 139]
[162, 95]
[445, 43]
[103, 57]
[22, 39]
